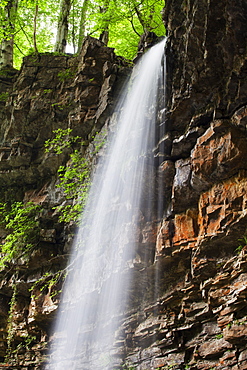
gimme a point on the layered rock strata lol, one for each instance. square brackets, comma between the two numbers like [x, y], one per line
[51, 92]
[199, 320]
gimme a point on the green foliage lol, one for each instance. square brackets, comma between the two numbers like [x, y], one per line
[47, 91]
[28, 341]
[125, 21]
[32, 24]
[121, 41]
[75, 177]
[10, 326]
[47, 282]
[61, 141]
[143, 15]
[75, 182]
[219, 336]
[3, 73]
[65, 75]
[20, 221]
[29, 15]
[4, 96]
[243, 243]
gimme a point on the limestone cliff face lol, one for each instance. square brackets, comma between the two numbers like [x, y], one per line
[194, 316]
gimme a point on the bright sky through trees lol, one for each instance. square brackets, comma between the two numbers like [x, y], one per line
[46, 25]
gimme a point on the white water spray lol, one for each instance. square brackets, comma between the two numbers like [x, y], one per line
[96, 291]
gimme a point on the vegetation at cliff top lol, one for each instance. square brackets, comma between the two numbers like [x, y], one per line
[45, 25]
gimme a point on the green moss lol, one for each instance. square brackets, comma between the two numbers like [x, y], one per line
[4, 96]
[66, 74]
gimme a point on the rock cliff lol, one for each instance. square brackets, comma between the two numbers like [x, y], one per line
[194, 280]
[50, 93]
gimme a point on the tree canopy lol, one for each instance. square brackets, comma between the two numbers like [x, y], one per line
[47, 25]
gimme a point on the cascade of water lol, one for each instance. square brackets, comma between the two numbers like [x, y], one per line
[96, 291]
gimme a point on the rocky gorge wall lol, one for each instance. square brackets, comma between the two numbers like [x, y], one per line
[49, 93]
[196, 318]
[200, 320]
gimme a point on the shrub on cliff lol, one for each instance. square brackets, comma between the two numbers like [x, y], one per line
[20, 230]
[74, 178]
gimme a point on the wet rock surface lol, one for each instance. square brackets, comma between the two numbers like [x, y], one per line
[199, 321]
[50, 92]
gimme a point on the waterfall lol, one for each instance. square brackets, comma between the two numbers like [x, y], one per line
[96, 292]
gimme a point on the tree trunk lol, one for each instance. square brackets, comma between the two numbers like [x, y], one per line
[141, 20]
[62, 28]
[104, 36]
[6, 53]
[35, 27]
[7, 43]
[82, 23]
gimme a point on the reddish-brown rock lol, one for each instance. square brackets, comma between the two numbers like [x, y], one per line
[218, 154]
[223, 207]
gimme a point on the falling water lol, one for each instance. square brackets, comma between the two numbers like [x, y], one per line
[96, 290]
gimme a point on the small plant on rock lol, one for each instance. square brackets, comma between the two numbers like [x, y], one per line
[128, 367]
[22, 229]
[10, 325]
[61, 141]
[4, 96]
[47, 282]
[243, 243]
[75, 176]
[219, 336]
[66, 74]
[75, 182]
[47, 91]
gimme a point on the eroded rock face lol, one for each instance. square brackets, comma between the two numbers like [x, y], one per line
[199, 320]
[54, 92]
[50, 92]
[206, 74]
